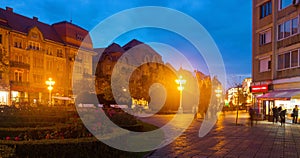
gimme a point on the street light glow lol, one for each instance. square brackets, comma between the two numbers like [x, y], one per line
[50, 84]
[218, 92]
[180, 81]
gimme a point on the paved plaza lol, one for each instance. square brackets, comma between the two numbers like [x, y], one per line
[226, 139]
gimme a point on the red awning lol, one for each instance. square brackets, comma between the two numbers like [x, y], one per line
[280, 94]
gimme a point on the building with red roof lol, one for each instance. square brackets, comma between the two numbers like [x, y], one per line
[32, 51]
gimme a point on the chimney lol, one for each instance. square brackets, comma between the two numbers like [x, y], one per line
[9, 9]
[35, 18]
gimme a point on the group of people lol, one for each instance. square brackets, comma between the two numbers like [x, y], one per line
[280, 113]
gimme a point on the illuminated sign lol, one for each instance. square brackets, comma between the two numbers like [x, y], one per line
[259, 89]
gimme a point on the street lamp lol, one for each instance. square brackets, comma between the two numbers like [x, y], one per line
[180, 81]
[218, 92]
[50, 84]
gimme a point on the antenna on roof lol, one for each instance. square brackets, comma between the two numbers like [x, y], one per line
[71, 18]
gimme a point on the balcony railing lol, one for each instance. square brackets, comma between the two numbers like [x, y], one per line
[19, 65]
[19, 83]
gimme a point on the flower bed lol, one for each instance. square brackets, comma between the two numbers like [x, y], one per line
[82, 147]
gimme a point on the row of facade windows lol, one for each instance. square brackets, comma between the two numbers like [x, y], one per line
[288, 28]
[266, 8]
[36, 46]
[288, 60]
[284, 30]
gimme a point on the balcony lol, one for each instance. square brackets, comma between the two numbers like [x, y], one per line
[288, 41]
[19, 83]
[19, 65]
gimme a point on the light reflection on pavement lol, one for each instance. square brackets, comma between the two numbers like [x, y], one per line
[226, 139]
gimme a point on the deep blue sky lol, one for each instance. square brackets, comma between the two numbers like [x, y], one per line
[228, 22]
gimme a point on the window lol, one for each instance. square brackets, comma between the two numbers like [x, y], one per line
[288, 28]
[265, 37]
[289, 60]
[19, 58]
[265, 65]
[59, 53]
[294, 26]
[280, 31]
[79, 37]
[18, 43]
[284, 3]
[294, 58]
[266, 9]
[34, 45]
[280, 61]
[18, 76]
[49, 51]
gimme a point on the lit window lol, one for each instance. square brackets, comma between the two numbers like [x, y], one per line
[18, 76]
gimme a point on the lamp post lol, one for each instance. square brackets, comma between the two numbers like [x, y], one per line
[180, 81]
[238, 105]
[218, 92]
[50, 84]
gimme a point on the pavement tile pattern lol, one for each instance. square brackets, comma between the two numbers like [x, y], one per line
[230, 140]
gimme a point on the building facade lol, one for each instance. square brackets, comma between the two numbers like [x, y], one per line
[33, 51]
[275, 54]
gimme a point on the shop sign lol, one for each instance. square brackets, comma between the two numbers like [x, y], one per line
[259, 89]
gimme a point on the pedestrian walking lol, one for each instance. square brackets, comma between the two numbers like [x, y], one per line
[282, 116]
[275, 114]
[295, 114]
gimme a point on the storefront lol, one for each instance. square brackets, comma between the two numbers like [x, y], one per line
[4, 98]
[258, 91]
[286, 99]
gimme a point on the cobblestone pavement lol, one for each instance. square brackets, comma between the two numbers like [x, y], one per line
[226, 139]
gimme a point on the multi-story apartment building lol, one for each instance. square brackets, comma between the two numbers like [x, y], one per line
[275, 54]
[32, 51]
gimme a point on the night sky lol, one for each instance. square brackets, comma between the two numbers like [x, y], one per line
[228, 22]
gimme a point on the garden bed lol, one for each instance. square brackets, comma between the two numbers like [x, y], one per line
[82, 147]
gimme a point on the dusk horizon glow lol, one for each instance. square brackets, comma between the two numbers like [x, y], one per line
[233, 38]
